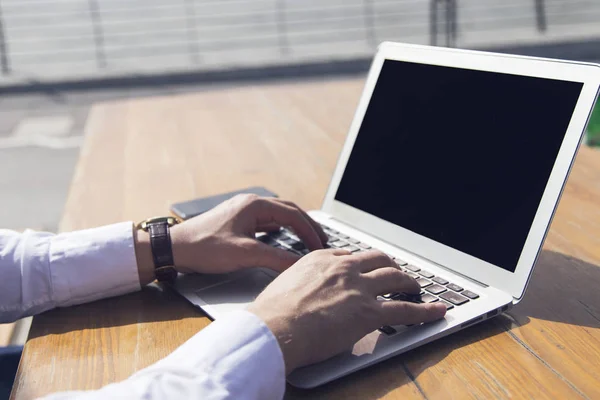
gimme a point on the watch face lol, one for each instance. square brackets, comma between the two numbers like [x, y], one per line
[169, 220]
[158, 220]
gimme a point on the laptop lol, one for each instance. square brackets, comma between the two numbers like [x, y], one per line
[453, 165]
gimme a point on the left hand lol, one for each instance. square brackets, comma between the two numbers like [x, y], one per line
[223, 239]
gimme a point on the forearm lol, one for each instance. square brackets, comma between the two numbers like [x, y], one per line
[236, 357]
[41, 271]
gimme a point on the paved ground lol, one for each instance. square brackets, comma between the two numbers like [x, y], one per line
[35, 174]
[40, 136]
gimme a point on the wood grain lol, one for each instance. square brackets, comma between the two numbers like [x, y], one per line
[6, 332]
[287, 137]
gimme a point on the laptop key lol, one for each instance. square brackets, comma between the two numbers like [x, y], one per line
[427, 298]
[400, 261]
[426, 274]
[342, 236]
[354, 241]
[439, 280]
[454, 298]
[448, 305]
[297, 246]
[266, 239]
[454, 287]
[435, 289]
[352, 248]
[338, 244]
[388, 330]
[278, 235]
[424, 282]
[364, 246]
[412, 298]
[470, 294]
[287, 240]
[412, 274]
[412, 268]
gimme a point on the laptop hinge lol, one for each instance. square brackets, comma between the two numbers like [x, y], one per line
[419, 256]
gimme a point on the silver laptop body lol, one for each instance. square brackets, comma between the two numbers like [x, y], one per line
[443, 173]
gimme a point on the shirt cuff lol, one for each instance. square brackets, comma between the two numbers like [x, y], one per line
[92, 264]
[237, 355]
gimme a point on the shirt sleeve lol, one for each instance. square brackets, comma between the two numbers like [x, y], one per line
[41, 270]
[236, 357]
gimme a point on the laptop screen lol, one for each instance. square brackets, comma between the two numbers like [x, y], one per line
[459, 156]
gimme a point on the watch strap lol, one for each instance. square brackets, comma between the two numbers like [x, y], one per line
[162, 251]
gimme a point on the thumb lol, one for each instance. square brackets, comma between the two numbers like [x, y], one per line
[263, 255]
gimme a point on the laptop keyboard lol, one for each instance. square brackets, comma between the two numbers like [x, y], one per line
[434, 288]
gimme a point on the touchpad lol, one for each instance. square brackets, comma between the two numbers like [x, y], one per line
[234, 294]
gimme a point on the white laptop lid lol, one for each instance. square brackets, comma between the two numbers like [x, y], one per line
[461, 156]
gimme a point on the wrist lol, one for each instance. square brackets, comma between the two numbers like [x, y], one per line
[281, 330]
[179, 247]
[143, 255]
[185, 249]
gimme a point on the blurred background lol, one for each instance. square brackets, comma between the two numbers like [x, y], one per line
[59, 57]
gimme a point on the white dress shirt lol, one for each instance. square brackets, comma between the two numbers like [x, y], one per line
[236, 357]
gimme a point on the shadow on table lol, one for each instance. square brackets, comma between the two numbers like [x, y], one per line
[563, 289]
[151, 304]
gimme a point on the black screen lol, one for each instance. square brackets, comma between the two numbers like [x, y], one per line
[459, 156]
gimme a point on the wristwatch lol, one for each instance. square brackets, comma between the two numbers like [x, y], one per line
[160, 243]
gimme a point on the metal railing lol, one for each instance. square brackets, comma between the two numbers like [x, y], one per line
[94, 35]
[4, 63]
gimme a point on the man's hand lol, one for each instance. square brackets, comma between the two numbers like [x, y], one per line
[327, 301]
[223, 239]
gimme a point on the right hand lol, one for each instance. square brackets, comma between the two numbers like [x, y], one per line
[327, 301]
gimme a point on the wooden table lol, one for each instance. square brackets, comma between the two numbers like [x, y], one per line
[287, 138]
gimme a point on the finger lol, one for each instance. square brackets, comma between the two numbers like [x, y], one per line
[336, 252]
[405, 313]
[317, 227]
[390, 280]
[371, 260]
[273, 212]
[262, 255]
